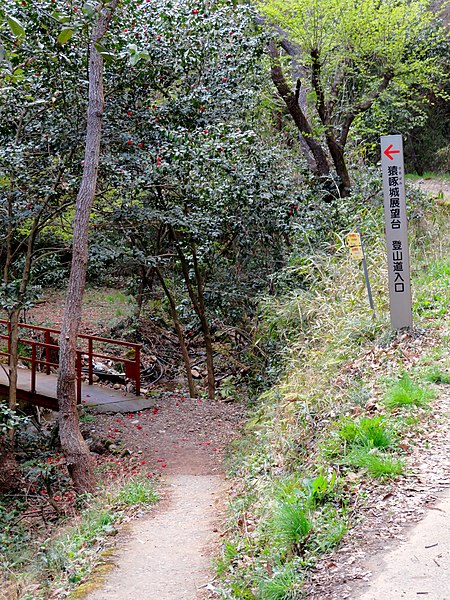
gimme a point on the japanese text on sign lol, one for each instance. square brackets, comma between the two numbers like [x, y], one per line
[396, 231]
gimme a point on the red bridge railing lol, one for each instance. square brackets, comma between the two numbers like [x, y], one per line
[45, 360]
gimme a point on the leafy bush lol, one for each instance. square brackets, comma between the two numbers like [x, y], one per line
[10, 419]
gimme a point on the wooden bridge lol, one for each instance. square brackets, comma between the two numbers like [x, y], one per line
[39, 350]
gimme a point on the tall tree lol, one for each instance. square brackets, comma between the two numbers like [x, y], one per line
[349, 52]
[77, 453]
[38, 144]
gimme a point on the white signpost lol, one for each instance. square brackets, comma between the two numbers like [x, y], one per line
[396, 231]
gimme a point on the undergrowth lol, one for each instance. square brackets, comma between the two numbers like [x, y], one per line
[65, 559]
[348, 392]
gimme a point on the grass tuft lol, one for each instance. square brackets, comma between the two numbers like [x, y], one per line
[371, 432]
[292, 525]
[379, 465]
[436, 375]
[285, 584]
[407, 393]
[137, 492]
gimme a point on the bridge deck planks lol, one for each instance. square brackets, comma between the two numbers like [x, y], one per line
[102, 399]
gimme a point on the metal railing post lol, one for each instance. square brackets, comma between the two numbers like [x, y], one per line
[137, 356]
[47, 353]
[33, 368]
[90, 367]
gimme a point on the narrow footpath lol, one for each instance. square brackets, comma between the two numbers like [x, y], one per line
[419, 567]
[168, 553]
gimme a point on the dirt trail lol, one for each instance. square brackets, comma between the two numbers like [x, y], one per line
[438, 188]
[166, 556]
[420, 567]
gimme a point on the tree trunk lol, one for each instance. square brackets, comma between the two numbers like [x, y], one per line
[337, 154]
[291, 100]
[199, 307]
[205, 328]
[140, 292]
[79, 461]
[417, 165]
[180, 334]
[13, 357]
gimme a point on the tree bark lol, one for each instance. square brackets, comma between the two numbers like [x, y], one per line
[198, 303]
[300, 120]
[417, 165]
[205, 328]
[337, 154]
[180, 334]
[79, 461]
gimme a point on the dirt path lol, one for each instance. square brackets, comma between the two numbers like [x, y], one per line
[437, 188]
[385, 555]
[420, 567]
[166, 556]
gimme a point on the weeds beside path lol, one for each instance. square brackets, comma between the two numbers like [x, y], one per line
[167, 554]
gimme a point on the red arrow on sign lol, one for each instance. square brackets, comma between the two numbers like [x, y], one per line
[389, 152]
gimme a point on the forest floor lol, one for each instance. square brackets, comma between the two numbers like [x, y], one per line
[167, 554]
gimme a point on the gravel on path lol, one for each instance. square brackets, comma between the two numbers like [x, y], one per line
[166, 556]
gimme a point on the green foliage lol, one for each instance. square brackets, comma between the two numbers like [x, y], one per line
[405, 392]
[285, 584]
[437, 375]
[368, 442]
[365, 63]
[320, 489]
[10, 419]
[371, 432]
[12, 299]
[377, 464]
[433, 302]
[331, 524]
[291, 525]
[139, 491]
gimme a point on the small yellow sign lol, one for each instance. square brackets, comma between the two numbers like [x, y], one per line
[356, 252]
[353, 239]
